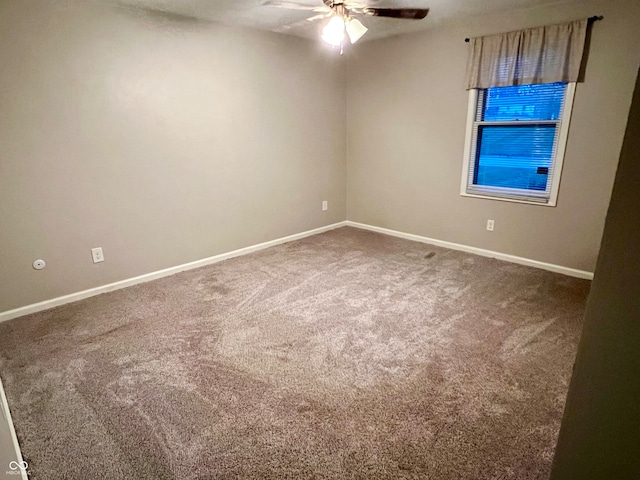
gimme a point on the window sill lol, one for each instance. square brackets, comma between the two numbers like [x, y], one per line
[550, 203]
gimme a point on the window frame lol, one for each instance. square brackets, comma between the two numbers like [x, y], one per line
[502, 193]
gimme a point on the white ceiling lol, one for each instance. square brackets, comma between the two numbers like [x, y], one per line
[254, 14]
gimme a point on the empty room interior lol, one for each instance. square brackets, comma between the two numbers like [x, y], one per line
[304, 239]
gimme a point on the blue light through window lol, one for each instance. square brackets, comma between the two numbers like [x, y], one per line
[517, 131]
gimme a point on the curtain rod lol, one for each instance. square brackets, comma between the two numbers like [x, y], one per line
[595, 18]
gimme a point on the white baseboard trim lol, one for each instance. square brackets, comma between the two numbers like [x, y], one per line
[74, 297]
[572, 272]
[16, 455]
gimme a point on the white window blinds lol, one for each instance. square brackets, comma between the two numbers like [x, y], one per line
[514, 141]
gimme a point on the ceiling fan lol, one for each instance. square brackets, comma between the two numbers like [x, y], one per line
[342, 23]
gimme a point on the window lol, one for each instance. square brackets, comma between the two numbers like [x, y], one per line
[515, 142]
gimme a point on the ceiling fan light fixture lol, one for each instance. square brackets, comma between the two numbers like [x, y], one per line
[333, 33]
[355, 29]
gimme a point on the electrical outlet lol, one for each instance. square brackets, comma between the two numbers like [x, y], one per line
[325, 205]
[96, 254]
[490, 225]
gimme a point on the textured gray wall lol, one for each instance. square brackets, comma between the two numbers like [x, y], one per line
[165, 141]
[406, 119]
[600, 433]
[160, 139]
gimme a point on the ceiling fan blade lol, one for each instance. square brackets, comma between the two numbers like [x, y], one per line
[301, 24]
[318, 17]
[292, 6]
[409, 13]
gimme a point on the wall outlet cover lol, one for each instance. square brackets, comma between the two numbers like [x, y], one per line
[96, 254]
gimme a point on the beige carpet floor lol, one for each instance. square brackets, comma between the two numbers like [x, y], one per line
[346, 355]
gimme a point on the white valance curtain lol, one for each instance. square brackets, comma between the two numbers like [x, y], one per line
[536, 55]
